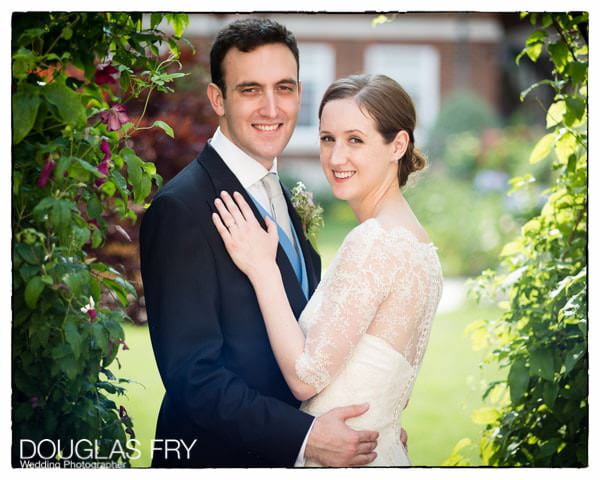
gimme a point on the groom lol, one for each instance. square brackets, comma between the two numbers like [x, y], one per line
[225, 395]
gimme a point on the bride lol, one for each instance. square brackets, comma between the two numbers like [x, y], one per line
[362, 336]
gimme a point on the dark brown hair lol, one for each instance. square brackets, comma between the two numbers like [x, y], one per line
[391, 108]
[247, 35]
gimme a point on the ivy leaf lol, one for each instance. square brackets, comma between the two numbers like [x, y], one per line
[549, 394]
[155, 20]
[120, 182]
[518, 380]
[96, 237]
[33, 290]
[24, 110]
[137, 178]
[542, 148]
[179, 21]
[81, 236]
[555, 113]
[62, 165]
[511, 248]
[60, 214]
[73, 338]
[164, 127]
[94, 206]
[60, 351]
[577, 71]
[114, 328]
[120, 288]
[485, 415]
[575, 110]
[88, 167]
[573, 357]
[77, 281]
[32, 254]
[100, 336]
[565, 147]
[533, 46]
[67, 102]
[69, 365]
[559, 53]
[109, 387]
[24, 60]
[67, 33]
[542, 363]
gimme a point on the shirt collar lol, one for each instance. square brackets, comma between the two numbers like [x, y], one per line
[247, 170]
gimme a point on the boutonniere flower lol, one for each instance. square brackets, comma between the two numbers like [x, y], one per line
[310, 213]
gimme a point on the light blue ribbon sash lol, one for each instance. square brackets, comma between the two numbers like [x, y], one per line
[294, 254]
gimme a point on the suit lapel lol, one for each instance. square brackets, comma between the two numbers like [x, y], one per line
[224, 179]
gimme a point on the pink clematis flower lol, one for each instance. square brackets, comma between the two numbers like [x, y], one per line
[105, 73]
[46, 172]
[105, 147]
[104, 165]
[115, 117]
[90, 309]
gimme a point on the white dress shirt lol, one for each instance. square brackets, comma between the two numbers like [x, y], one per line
[250, 173]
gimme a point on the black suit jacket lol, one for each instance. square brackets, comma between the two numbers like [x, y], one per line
[223, 386]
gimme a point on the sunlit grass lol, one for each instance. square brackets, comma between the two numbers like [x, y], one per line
[448, 389]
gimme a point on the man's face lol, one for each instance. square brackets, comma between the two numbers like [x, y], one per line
[262, 100]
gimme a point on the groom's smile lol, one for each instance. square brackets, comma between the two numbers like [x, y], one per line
[260, 105]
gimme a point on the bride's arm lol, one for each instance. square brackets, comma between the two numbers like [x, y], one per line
[349, 296]
[285, 335]
[253, 250]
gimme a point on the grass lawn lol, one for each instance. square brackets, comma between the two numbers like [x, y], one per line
[448, 389]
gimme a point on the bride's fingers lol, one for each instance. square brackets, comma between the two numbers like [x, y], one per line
[221, 228]
[233, 208]
[271, 228]
[244, 207]
[225, 216]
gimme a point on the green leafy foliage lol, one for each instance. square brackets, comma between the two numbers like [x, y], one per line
[71, 171]
[541, 338]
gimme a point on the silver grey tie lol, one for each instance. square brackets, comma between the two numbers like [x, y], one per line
[278, 206]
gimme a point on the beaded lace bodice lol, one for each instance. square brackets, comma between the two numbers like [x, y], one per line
[382, 282]
[368, 323]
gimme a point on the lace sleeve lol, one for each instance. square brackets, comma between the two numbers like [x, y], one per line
[344, 305]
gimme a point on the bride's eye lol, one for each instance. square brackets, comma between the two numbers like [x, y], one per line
[326, 138]
[355, 140]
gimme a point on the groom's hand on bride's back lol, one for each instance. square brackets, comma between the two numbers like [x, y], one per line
[334, 444]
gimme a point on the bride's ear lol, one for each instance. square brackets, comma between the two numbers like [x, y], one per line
[400, 144]
[215, 97]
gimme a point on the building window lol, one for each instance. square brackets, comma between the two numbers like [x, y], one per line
[416, 68]
[317, 71]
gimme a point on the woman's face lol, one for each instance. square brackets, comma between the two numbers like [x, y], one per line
[356, 160]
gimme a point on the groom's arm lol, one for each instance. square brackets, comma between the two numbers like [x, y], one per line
[182, 300]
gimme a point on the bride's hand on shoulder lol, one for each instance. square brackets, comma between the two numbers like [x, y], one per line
[251, 248]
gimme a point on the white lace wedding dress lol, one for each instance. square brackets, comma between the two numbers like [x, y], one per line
[367, 326]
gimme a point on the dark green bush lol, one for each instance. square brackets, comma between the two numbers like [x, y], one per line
[72, 168]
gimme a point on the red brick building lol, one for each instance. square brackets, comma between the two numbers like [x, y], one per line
[429, 54]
